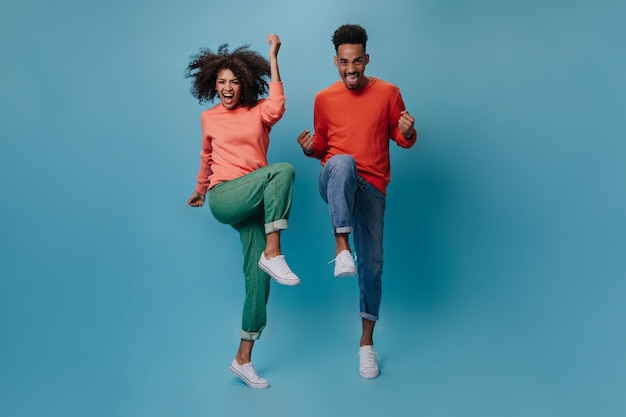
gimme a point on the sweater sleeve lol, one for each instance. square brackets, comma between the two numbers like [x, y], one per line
[273, 108]
[320, 132]
[397, 107]
[206, 159]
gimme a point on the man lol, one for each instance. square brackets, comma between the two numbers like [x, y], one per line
[354, 119]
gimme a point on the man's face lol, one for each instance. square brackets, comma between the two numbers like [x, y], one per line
[351, 60]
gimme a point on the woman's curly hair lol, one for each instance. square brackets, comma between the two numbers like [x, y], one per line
[248, 66]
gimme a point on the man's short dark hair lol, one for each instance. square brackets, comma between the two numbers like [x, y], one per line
[351, 34]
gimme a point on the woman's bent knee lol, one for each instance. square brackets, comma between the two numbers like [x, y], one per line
[284, 168]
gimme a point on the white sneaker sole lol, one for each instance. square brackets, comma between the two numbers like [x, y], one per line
[370, 375]
[343, 274]
[255, 385]
[288, 282]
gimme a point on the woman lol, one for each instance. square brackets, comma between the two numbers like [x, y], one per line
[244, 191]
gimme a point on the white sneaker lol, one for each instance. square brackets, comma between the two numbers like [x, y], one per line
[278, 269]
[344, 264]
[368, 364]
[247, 374]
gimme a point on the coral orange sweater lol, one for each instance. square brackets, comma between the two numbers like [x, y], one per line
[235, 142]
[360, 123]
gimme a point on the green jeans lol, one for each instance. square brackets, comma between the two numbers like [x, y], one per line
[255, 204]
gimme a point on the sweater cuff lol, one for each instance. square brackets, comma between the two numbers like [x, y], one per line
[276, 88]
[201, 189]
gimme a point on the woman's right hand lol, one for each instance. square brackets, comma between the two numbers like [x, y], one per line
[196, 199]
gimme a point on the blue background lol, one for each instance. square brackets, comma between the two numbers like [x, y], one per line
[505, 231]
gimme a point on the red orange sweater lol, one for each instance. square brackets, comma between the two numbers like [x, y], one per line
[235, 142]
[360, 123]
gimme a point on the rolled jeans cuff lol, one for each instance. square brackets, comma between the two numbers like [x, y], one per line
[250, 335]
[344, 229]
[275, 226]
[369, 317]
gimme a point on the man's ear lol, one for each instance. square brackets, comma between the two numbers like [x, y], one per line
[367, 59]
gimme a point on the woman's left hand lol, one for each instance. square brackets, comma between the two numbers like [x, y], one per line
[274, 41]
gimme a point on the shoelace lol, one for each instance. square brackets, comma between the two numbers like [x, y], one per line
[282, 264]
[368, 359]
[335, 259]
[251, 372]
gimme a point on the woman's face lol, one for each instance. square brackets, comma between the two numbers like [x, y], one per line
[228, 88]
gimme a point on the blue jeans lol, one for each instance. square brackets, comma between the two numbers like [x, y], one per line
[357, 207]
